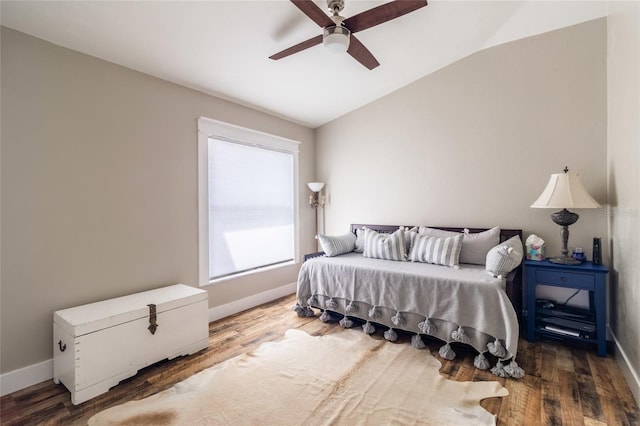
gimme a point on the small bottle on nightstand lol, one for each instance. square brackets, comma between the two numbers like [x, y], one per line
[578, 254]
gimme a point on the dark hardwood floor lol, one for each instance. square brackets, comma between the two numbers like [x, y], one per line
[564, 385]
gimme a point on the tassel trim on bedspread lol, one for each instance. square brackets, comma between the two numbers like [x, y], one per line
[499, 371]
[495, 348]
[303, 311]
[514, 370]
[447, 352]
[374, 312]
[331, 304]
[391, 335]
[427, 327]
[481, 362]
[325, 317]
[459, 336]
[398, 319]
[346, 322]
[368, 328]
[510, 370]
[416, 342]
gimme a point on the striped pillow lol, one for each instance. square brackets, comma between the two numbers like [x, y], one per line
[475, 246]
[334, 246]
[505, 257]
[439, 251]
[384, 246]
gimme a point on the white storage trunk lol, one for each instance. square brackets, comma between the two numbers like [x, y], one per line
[97, 345]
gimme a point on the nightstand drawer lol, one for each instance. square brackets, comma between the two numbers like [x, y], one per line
[568, 279]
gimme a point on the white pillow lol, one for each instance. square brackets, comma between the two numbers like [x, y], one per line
[433, 232]
[334, 246]
[384, 246]
[474, 246]
[504, 257]
[437, 250]
[359, 240]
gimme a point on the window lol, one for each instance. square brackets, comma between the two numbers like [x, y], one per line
[247, 200]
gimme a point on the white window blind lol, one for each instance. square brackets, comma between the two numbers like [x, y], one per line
[247, 201]
[251, 207]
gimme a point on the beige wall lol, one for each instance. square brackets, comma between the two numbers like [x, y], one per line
[99, 178]
[99, 186]
[623, 72]
[474, 143]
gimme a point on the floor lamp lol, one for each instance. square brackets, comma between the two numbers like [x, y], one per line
[316, 201]
[565, 191]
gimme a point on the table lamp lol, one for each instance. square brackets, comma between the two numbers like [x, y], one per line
[565, 191]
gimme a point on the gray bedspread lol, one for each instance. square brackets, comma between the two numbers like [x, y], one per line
[465, 305]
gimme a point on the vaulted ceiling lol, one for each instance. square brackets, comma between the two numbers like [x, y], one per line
[223, 47]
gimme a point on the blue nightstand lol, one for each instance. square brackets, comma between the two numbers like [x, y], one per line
[585, 276]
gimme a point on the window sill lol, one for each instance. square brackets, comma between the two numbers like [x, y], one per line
[249, 273]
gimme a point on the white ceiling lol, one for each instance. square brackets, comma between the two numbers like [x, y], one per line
[222, 47]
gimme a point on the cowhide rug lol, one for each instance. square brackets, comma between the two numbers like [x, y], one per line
[346, 378]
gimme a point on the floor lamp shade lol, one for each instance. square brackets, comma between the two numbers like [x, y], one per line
[316, 186]
[565, 191]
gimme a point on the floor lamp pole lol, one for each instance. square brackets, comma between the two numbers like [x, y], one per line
[315, 201]
[316, 234]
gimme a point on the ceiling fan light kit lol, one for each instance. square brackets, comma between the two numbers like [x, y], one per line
[336, 39]
[338, 32]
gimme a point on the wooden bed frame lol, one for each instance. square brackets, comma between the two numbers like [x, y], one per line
[513, 285]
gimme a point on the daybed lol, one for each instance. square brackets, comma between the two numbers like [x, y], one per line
[460, 303]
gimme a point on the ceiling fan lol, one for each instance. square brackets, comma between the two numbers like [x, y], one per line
[338, 31]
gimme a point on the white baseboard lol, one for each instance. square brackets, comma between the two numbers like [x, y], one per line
[629, 373]
[218, 312]
[24, 377]
[28, 376]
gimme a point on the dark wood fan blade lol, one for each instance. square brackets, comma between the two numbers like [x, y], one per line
[361, 53]
[382, 13]
[298, 47]
[316, 14]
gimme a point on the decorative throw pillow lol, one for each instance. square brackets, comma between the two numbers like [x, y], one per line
[359, 240]
[409, 237]
[334, 246]
[384, 246]
[433, 232]
[474, 246]
[504, 257]
[437, 250]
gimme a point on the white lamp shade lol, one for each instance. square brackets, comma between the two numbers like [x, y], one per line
[316, 186]
[564, 191]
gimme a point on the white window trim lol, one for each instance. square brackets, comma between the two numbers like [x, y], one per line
[207, 128]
